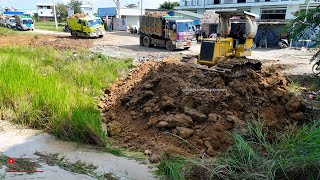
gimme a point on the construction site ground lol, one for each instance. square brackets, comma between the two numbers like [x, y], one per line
[124, 44]
[140, 90]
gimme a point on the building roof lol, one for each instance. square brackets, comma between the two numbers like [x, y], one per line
[131, 12]
[192, 14]
[86, 6]
[44, 4]
[236, 13]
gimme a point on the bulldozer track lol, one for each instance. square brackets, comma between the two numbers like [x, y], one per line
[231, 68]
[237, 67]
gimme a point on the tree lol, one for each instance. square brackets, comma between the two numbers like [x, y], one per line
[132, 5]
[36, 16]
[62, 12]
[304, 25]
[169, 5]
[75, 5]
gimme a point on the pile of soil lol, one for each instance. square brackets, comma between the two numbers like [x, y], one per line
[57, 42]
[156, 14]
[77, 16]
[173, 108]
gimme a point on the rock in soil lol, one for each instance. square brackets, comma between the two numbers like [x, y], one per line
[184, 132]
[162, 100]
[114, 128]
[154, 158]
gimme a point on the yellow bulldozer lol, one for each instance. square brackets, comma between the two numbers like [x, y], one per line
[227, 52]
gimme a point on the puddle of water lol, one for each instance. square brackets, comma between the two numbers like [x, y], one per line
[17, 142]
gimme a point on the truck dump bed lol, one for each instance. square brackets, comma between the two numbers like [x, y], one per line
[151, 25]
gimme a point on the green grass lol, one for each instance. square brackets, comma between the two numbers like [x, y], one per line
[56, 90]
[7, 31]
[300, 82]
[292, 155]
[45, 25]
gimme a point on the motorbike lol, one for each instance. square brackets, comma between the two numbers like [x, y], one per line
[316, 66]
[133, 30]
[283, 43]
[66, 28]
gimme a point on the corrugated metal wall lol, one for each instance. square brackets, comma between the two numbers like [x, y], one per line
[273, 32]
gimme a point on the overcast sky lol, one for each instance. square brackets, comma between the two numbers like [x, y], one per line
[30, 4]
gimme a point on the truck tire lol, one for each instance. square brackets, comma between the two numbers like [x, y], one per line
[146, 41]
[141, 40]
[73, 33]
[170, 46]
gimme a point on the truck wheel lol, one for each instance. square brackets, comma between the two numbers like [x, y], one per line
[170, 46]
[141, 40]
[146, 41]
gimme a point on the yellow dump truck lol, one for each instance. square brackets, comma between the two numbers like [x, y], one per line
[86, 27]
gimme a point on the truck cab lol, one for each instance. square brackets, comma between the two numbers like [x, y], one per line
[26, 24]
[86, 27]
[181, 33]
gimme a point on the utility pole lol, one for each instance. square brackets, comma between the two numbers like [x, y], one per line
[305, 19]
[55, 14]
[141, 7]
[117, 2]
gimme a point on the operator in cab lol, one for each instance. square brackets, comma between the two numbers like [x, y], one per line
[238, 33]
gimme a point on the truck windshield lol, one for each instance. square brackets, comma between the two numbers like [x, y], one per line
[186, 27]
[94, 22]
[29, 21]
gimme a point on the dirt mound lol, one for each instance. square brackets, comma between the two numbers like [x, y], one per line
[156, 14]
[57, 42]
[173, 108]
[77, 16]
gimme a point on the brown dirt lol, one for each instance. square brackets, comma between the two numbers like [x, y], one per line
[57, 42]
[161, 103]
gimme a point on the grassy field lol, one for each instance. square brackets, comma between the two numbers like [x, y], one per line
[57, 91]
[293, 155]
[48, 26]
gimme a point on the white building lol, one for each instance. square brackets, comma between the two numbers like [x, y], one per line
[45, 11]
[267, 9]
[87, 9]
[131, 16]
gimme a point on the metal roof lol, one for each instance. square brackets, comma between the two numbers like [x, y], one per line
[236, 13]
[188, 13]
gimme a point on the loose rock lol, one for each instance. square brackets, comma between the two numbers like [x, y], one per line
[184, 132]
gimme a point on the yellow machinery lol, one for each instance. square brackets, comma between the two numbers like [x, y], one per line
[227, 52]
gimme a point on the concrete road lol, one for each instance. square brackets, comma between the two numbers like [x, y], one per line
[17, 142]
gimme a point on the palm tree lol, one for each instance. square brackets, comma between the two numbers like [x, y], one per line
[132, 5]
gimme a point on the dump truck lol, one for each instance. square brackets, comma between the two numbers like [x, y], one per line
[24, 23]
[171, 32]
[10, 22]
[85, 26]
[3, 21]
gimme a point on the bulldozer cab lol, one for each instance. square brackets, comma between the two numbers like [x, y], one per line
[247, 18]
